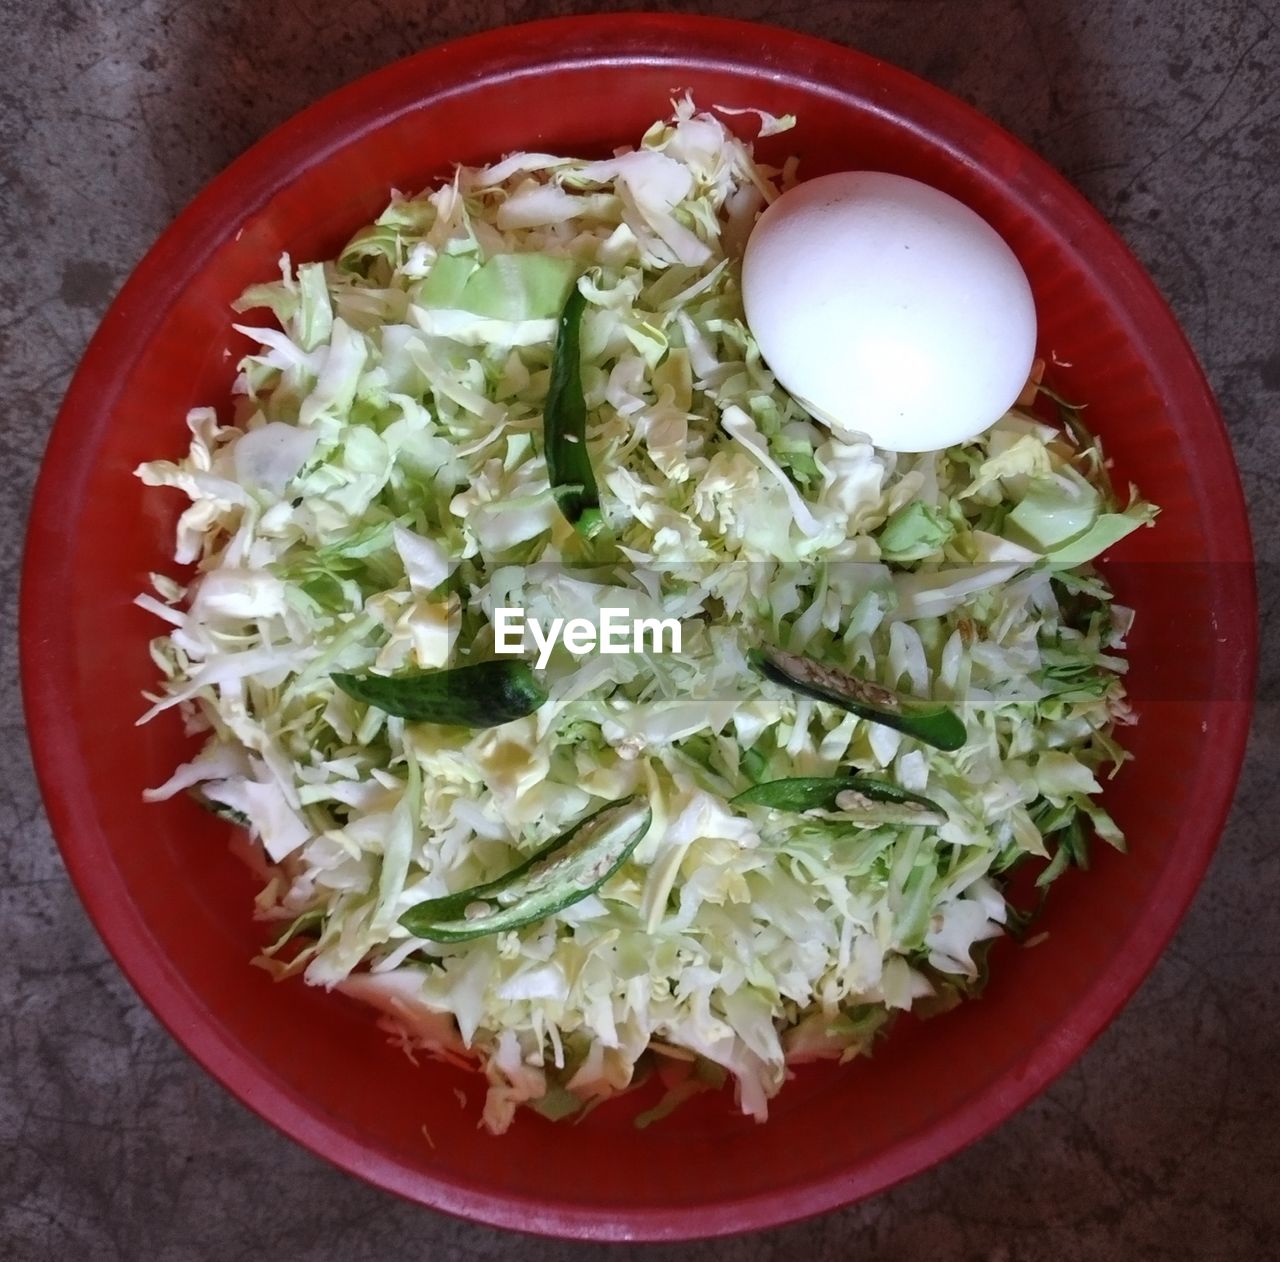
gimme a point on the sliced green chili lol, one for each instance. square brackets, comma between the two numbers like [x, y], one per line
[565, 871]
[858, 795]
[484, 694]
[565, 425]
[927, 721]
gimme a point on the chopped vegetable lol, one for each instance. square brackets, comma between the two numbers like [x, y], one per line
[1072, 849]
[857, 795]
[408, 445]
[927, 721]
[485, 694]
[565, 420]
[562, 873]
[917, 530]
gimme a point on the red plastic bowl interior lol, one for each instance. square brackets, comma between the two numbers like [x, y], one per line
[174, 905]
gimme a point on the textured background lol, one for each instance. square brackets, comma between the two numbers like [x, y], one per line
[1161, 1143]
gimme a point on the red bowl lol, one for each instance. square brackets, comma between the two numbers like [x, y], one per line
[173, 904]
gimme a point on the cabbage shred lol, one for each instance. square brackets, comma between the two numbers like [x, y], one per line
[383, 488]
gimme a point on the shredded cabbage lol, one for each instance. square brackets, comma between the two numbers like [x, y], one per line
[382, 489]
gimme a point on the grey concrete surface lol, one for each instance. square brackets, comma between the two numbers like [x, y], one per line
[1161, 1143]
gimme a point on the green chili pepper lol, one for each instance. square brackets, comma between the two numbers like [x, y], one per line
[563, 872]
[484, 694]
[886, 802]
[927, 721]
[565, 425]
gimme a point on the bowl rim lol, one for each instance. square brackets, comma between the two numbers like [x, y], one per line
[333, 123]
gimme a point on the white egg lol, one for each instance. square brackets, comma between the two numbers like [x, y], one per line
[889, 308]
